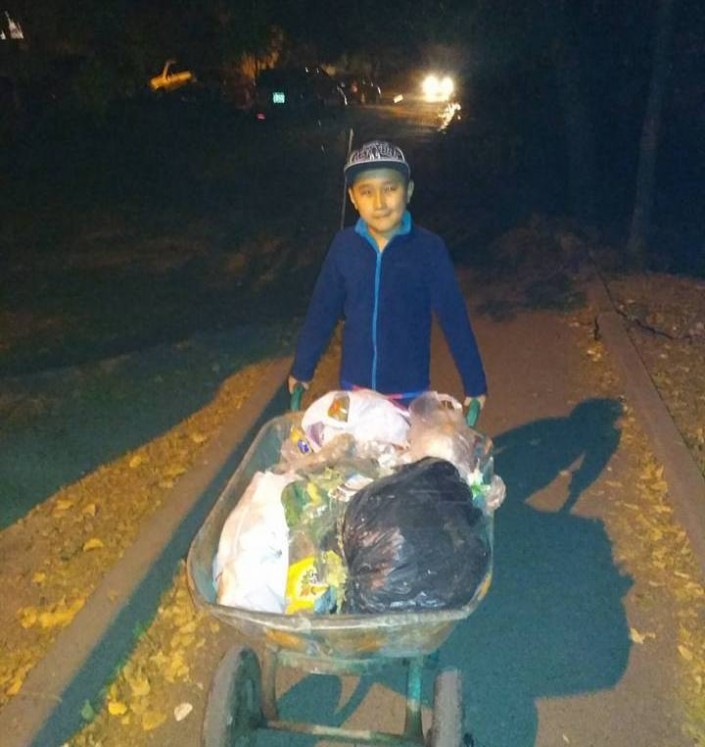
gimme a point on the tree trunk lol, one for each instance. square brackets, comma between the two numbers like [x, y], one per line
[646, 171]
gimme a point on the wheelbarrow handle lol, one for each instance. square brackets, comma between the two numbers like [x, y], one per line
[473, 413]
[296, 395]
[471, 416]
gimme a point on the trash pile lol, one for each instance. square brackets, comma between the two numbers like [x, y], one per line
[371, 508]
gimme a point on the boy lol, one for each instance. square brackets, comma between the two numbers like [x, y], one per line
[386, 277]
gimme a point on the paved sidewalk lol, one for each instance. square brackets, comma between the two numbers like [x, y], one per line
[547, 659]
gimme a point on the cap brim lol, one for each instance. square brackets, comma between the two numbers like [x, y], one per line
[352, 172]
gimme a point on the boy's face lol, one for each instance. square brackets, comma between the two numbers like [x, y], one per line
[380, 196]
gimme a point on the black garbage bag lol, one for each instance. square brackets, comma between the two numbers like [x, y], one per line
[414, 541]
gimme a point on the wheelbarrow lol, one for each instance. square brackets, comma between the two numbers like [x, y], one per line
[242, 698]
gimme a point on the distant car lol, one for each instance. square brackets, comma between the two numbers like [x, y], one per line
[359, 90]
[296, 90]
[438, 87]
[172, 76]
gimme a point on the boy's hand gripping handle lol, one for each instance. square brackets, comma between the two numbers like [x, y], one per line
[296, 394]
[473, 413]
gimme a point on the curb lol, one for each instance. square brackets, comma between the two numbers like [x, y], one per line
[686, 484]
[84, 656]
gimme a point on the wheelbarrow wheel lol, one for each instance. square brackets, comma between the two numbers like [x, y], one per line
[447, 719]
[234, 706]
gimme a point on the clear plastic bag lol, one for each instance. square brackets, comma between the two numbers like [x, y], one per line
[298, 454]
[438, 429]
[314, 505]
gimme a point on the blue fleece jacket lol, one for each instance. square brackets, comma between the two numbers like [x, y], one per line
[387, 300]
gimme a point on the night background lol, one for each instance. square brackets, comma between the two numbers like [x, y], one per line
[164, 212]
[557, 92]
[135, 212]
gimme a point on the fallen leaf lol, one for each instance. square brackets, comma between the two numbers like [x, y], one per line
[176, 668]
[139, 684]
[182, 711]
[685, 652]
[179, 641]
[18, 679]
[174, 470]
[152, 720]
[117, 708]
[635, 636]
[92, 544]
[39, 577]
[61, 615]
[160, 659]
[28, 616]
[135, 461]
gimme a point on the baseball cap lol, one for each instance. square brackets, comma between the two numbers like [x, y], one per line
[377, 154]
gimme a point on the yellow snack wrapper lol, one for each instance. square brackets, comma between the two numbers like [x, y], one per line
[303, 586]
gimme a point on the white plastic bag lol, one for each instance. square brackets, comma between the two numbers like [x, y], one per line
[250, 567]
[366, 415]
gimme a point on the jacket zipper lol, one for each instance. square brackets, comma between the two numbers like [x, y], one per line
[375, 311]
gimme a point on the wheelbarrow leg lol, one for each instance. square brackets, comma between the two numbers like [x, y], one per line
[269, 684]
[413, 728]
[233, 709]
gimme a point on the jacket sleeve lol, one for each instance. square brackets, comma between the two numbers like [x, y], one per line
[324, 311]
[449, 306]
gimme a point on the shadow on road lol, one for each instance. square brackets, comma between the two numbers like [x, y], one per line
[57, 427]
[553, 624]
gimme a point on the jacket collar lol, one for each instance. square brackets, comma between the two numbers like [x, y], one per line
[404, 228]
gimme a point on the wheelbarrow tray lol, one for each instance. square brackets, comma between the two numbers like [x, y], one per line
[331, 637]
